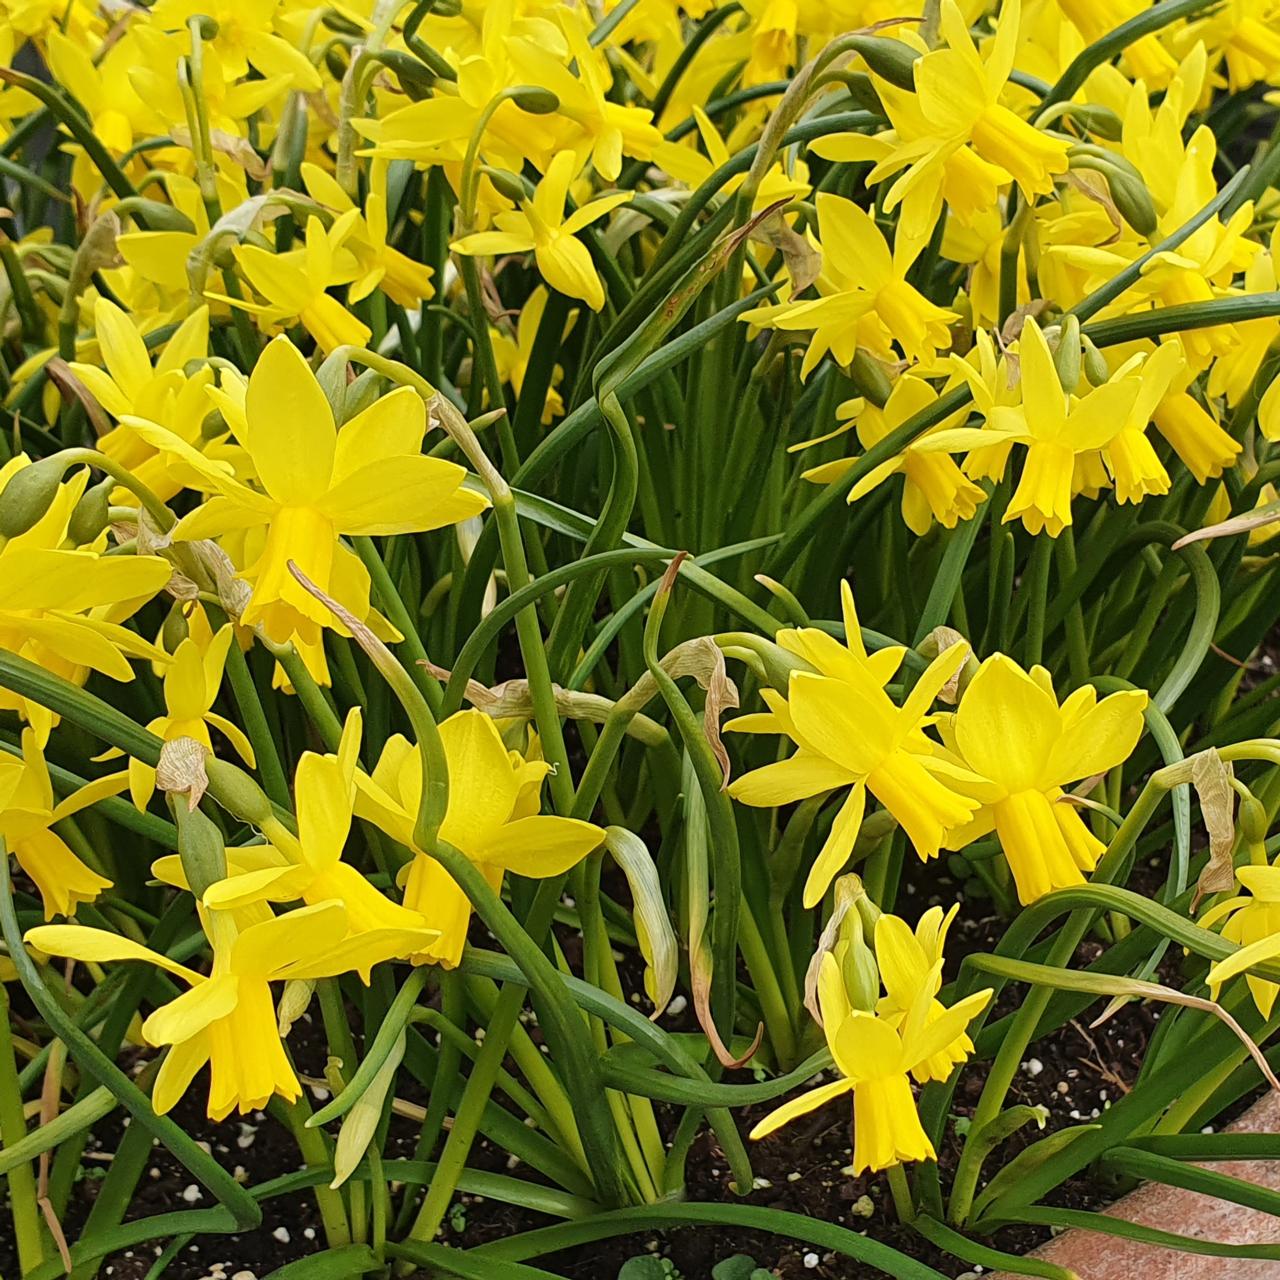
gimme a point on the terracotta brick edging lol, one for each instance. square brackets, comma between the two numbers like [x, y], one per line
[1093, 1256]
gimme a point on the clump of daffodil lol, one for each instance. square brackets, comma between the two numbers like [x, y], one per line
[311, 485]
[540, 226]
[492, 819]
[866, 299]
[849, 734]
[1011, 731]
[880, 1041]
[227, 1018]
[28, 815]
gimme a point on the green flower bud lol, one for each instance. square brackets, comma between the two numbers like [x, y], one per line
[175, 629]
[1095, 365]
[1252, 818]
[89, 518]
[536, 101]
[205, 25]
[237, 792]
[28, 495]
[506, 183]
[1131, 197]
[213, 425]
[200, 846]
[1066, 355]
[858, 964]
[891, 60]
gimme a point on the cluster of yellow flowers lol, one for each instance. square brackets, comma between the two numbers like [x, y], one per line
[250, 159]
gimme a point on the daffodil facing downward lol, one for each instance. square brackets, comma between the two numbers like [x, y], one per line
[228, 1019]
[850, 734]
[1010, 729]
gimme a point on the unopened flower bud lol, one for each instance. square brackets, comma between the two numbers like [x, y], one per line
[175, 629]
[205, 25]
[858, 964]
[213, 425]
[506, 183]
[1066, 355]
[200, 846]
[1094, 362]
[1252, 818]
[28, 495]
[891, 60]
[535, 100]
[89, 518]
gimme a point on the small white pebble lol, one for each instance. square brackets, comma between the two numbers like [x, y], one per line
[192, 1194]
[308, 1233]
[811, 1261]
[281, 1234]
[794, 1176]
[677, 1006]
[1207, 1129]
[863, 1207]
[320, 1092]
[1033, 1066]
[244, 1275]
[761, 1184]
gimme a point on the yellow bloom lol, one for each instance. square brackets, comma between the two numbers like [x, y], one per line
[933, 487]
[848, 733]
[402, 279]
[540, 225]
[1245, 34]
[513, 354]
[1056, 428]
[129, 385]
[316, 484]
[959, 92]
[875, 1056]
[1253, 923]
[27, 817]
[309, 866]
[228, 1019]
[1010, 729]
[866, 300]
[61, 608]
[1206, 450]
[492, 819]
[296, 283]
[191, 684]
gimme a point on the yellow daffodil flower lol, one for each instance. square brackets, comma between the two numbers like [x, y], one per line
[27, 818]
[866, 299]
[296, 283]
[309, 866]
[402, 279]
[228, 1019]
[191, 684]
[1056, 427]
[316, 484]
[61, 607]
[129, 385]
[492, 819]
[960, 90]
[848, 733]
[540, 226]
[933, 488]
[1010, 729]
[875, 1057]
[1251, 921]
[513, 354]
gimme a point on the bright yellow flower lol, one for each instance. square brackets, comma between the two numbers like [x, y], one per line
[309, 866]
[492, 819]
[933, 487]
[402, 279]
[1252, 922]
[1245, 34]
[512, 354]
[540, 226]
[61, 608]
[959, 92]
[191, 684]
[129, 385]
[316, 484]
[876, 1055]
[1010, 729]
[1056, 428]
[228, 1019]
[296, 283]
[866, 299]
[848, 733]
[27, 818]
